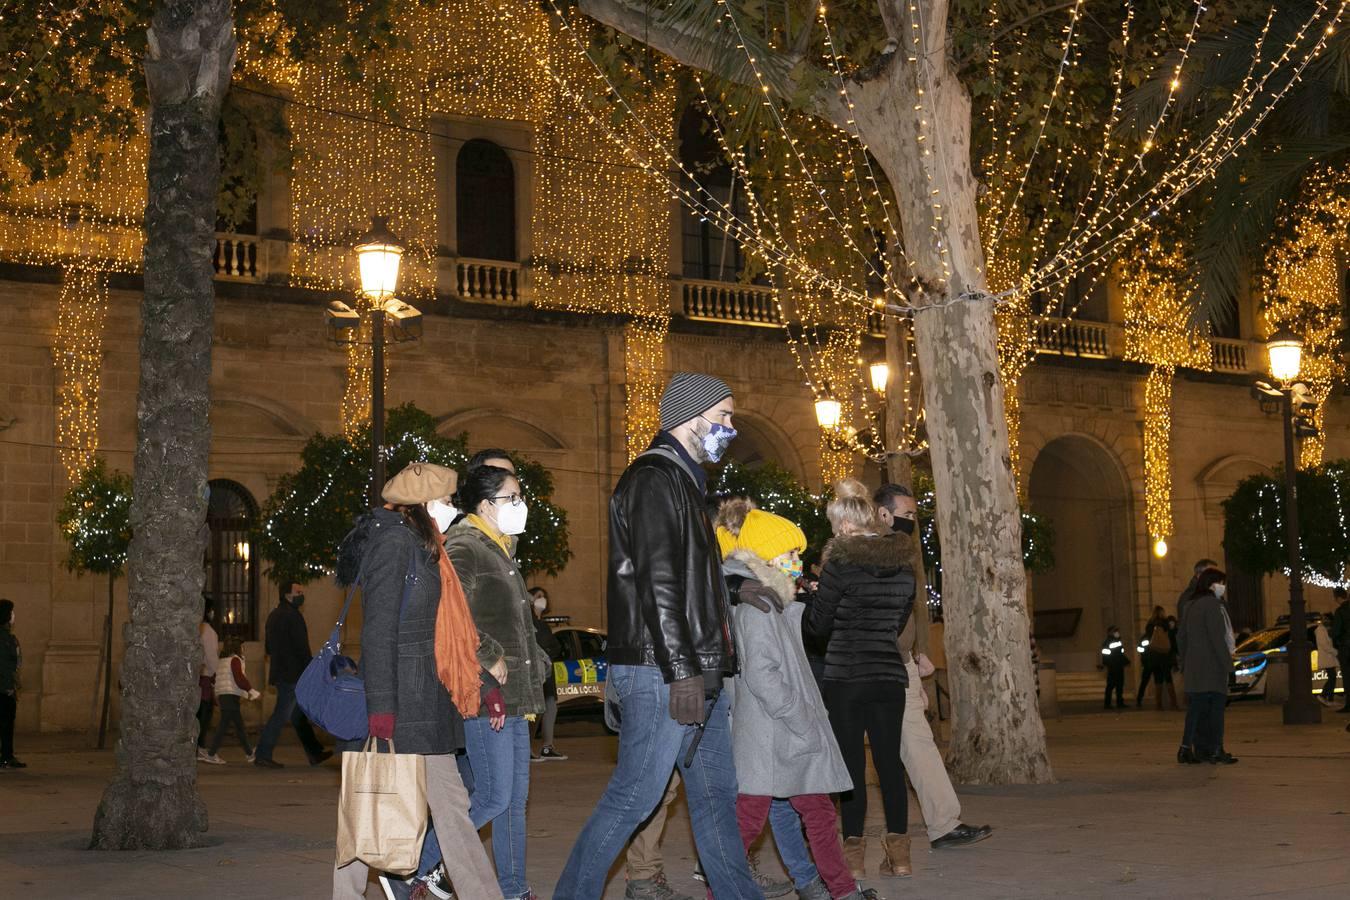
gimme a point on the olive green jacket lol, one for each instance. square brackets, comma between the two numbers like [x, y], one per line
[501, 608]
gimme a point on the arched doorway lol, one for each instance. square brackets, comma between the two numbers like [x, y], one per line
[1079, 486]
[231, 574]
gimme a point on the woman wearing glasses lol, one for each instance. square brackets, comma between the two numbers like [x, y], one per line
[481, 547]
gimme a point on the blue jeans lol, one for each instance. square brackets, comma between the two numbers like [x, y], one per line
[500, 762]
[651, 743]
[787, 834]
[1208, 727]
[285, 711]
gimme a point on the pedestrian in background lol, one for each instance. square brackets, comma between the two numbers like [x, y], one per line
[1184, 754]
[287, 643]
[865, 597]
[1328, 660]
[1155, 658]
[206, 675]
[1340, 636]
[1114, 661]
[480, 548]
[553, 649]
[1206, 638]
[231, 685]
[11, 660]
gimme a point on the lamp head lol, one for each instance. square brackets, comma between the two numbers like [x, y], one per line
[881, 376]
[1285, 350]
[828, 413]
[378, 254]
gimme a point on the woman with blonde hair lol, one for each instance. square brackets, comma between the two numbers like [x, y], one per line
[865, 597]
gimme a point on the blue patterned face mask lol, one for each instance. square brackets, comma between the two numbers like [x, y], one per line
[717, 439]
[792, 568]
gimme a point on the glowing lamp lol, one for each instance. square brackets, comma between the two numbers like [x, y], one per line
[828, 413]
[1285, 350]
[881, 376]
[1160, 548]
[378, 253]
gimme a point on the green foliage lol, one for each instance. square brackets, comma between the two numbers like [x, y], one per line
[313, 507]
[95, 518]
[1253, 533]
[1038, 533]
[775, 490]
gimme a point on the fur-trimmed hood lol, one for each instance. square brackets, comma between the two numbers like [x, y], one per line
[876, 553]
[749, 565]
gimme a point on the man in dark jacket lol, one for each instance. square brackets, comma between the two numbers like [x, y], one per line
[287, 645]
[670, 646]
[1184, 753]
[1340, 636]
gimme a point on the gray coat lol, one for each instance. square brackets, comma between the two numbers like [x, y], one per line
[780, 733]
[504, 613]
[398, 650]
[1203, 635]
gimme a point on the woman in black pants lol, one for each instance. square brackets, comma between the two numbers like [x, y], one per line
[865, 596]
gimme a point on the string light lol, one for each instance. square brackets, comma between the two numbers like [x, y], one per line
[82, 308]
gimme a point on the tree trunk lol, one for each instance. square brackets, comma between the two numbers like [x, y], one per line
[915, 118]
[152, 802]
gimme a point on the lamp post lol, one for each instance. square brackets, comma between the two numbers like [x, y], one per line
[378, 254]
[1285, 351]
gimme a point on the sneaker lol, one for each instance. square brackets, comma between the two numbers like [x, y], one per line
[213, 759]
[549, 753]
[437, 883]
[12, 763]
[817, 890]
[652, 889]
[252, 755]
[202, 754]
[767, 885]
[396, 888]
[698, 872]
[535, 757]
[264, 763]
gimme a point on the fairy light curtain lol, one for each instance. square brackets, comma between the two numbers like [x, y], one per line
[1301, 289]
[1158, 333]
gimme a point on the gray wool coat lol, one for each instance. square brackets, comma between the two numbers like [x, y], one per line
[780, 732]
[1202, 633]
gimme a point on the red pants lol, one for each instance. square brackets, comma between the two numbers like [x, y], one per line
[822, 834]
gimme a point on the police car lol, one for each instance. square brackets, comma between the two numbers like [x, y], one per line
[581, 672]
[1253, 657]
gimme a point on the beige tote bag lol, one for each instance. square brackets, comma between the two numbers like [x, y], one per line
[382, 812]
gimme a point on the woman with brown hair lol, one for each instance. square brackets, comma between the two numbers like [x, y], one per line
[419, 659]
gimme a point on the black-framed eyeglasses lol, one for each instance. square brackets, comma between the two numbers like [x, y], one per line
[515, 499]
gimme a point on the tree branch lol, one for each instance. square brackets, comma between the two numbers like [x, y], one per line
[691, 44]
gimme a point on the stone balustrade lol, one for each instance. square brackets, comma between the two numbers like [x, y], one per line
[492, 281]
[726, 301]
[237, 257]
[1074, 337]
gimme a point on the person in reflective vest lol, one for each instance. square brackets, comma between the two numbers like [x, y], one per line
[1114, 661]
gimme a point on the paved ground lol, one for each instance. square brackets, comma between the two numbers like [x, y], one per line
[1123, 820]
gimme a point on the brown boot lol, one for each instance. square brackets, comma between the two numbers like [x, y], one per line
[897, 856]
[855, 849]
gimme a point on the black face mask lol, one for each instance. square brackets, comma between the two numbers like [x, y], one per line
[904, 526]
[298, 601]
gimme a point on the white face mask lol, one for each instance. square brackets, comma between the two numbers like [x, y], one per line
[442, 513]
[511, 518]
[1219, 590]
[540, 604]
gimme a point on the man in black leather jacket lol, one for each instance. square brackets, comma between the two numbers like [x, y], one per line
[670, 646]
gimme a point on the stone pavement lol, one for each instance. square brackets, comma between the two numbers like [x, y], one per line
[1123, 820]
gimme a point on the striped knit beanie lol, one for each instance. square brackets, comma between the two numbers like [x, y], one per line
[688, 395]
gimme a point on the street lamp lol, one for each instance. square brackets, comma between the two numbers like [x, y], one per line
[378, 255]
[881, 376]
[828, 413]
[1285, 350]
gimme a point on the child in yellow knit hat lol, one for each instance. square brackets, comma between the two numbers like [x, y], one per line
[780, 733]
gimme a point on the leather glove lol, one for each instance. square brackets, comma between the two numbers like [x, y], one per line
[253, 694]
[381, 725]
[686, 700]
[760, 597]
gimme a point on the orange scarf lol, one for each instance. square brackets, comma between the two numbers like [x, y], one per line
[456, 642]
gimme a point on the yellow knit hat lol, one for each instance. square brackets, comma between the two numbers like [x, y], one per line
[768, 536]
[726, 541]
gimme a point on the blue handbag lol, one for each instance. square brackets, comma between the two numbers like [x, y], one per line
[331, 690]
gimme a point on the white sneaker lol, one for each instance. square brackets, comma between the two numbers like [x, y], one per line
[252, 754]
[213, 759]
[202, 754]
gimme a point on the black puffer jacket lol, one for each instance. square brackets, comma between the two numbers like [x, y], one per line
[667, 598]
[398, 649]
[865, 597]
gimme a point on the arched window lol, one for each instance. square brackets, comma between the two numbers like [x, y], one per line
[485, 202]
[231, 574]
